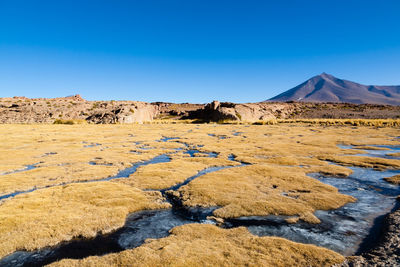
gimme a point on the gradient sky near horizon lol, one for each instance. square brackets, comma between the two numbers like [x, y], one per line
[192, 50]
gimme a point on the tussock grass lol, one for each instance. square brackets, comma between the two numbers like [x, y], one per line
[282, 154]
[327, 122]
[266, 122]
[243, 122]
[353, 122]
[171, 173]
[48, 216]
[170, 121]
[62, 154]
[371, 148]
[331, 170]
[208, 245]
[394, 154]
[262, 190]
[393, 179]
[53, 175]
[365, 162]
[70, 122]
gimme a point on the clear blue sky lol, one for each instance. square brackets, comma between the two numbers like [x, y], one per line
[192, 50]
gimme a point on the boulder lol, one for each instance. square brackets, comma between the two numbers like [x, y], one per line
[138, 113]
[226, 111]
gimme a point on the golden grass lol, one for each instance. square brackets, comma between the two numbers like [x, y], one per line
[48, 216]
[169, 121]
[327, 122]
[53, 175]
[353, 122]
[208, 245]
[276, 183]
[266, 122]
[365, 162]
[171, 173]
[371, 148]
[62, 153]
[70, 122]
[262, 190]
[393, 179]
[394, 154]
[330, 170]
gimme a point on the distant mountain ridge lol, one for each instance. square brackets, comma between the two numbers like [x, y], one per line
[327, 88]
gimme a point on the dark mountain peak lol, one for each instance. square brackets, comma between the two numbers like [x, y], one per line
[327, 88]
[326, 76]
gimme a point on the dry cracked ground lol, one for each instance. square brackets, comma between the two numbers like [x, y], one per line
[66, 182]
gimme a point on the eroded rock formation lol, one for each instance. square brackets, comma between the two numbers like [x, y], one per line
[122, 113]
[44, 110]
[250, 112]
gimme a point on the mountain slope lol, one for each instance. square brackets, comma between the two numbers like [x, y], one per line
[327, 88]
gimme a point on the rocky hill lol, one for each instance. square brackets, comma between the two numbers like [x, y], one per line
[47, 110]
[327, 88]
[249, 112]
[264, 111]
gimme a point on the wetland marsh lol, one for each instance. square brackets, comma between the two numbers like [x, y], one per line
[193, 194]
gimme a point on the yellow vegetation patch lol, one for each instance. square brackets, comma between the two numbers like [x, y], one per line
[282, 154]
[171, 173]
[262, 190]
[47, 216]
[208, 245]
[394, 179]
[353, 122]
[53, 175]
[366, 162]
[371, 148]
[62, 153]
[70, 122]
[330, 170]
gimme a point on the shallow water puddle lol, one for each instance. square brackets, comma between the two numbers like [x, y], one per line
[27, 168]
[91, 144]
[166, 139]
[192, 153]
[218, 136]
[49, 154]
[125, 173]
[344, 229]
[376, 153]
[121, 174]
[347, 230]
[16, 193]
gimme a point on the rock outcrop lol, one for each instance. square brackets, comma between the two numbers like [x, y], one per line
[176, 111]
[250, 112]
[45, 110]
[137, 113]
